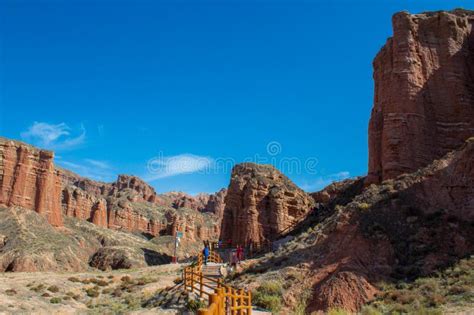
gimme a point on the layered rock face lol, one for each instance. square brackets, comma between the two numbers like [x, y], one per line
[143, 191]
[213, 203]
[424, 92]
[28, 179]
[261, 203]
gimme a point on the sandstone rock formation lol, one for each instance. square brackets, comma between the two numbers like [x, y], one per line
[424, 92]
[261, 203]
[28, 179]
[28, 243]
[401, 229]
[213, 203]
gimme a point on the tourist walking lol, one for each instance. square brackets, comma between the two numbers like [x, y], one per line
[205, 253]
[240, 253]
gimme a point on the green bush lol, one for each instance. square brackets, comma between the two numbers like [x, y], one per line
[92, 292]
[271, 288]
[53, 289]
[268, 296]
[337, 311]
[270, 302]
[55, 300]
[195, 305]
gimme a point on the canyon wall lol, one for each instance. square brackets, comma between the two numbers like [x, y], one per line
[213, 203]
[261, 203]
[29, 179]
[424, 92]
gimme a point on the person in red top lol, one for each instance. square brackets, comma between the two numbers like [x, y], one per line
[240, 253]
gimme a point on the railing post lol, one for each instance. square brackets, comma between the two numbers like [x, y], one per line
[240, 301]
[249, 312]
[200, 285]
[233, 301]
[212, 299]
[192, 280]
[203, 312]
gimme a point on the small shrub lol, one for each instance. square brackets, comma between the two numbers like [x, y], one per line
[195, 305]
[46, 294]
[53, 289]
[10, 292]
[337, 311]
[66, 298]
[55, 300]
[270, 302]
[107, 291]
[132, 301]
[126, 279]
[102, 283]
[92, 292]
[74, 279]
[399, 309]
[271, 287]
[436, 299]
[38, 288]
[117, 293]
[110, 277]
[459, 289]
[370, 310]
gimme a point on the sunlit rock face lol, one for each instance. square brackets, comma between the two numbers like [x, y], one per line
[424, 92]
[261, 202]
[28, 179]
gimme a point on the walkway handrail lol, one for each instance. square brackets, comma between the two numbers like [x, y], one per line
[225, 299]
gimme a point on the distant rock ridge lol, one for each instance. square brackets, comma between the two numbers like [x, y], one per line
[260, 203]
[29, 179]
[424, 92]
[202, 202]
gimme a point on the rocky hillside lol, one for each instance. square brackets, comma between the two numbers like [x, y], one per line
[413, 215]
[390, 232]
[261, 203]
[53, 219]
[424, 92]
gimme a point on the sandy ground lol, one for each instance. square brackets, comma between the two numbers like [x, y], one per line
[61, 293]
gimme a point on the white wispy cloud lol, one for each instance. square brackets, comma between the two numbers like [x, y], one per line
[54, 137]
[162, 167]
[322, 181]
[99, 164]
[93, 169]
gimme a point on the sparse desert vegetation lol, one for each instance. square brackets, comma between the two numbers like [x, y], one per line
[451, 289]
[110, 292]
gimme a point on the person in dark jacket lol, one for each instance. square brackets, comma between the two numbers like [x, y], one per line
[205, 253]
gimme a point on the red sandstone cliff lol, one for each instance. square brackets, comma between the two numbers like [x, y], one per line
[213, 203]
[424, 92]
[260, 203]
[28, 179]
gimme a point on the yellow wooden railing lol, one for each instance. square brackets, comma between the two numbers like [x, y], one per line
[224, 299]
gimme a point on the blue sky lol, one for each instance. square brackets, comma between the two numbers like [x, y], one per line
[176, 92]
